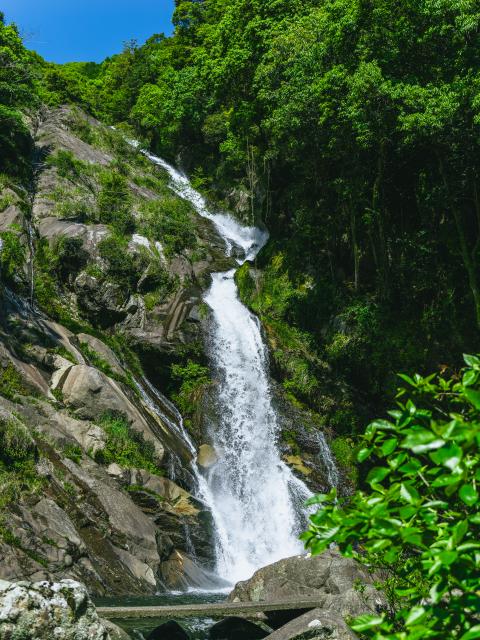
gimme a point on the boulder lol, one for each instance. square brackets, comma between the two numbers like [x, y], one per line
[46, 610]
[170, 630]
[103, 351]
[207, 456]
[235, 628]
[329, 578]
[91, 394]
[115, 632]
[314, 625]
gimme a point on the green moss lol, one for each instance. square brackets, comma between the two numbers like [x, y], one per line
[11, 383]
[125, 446]
[192, 379]
[134, 488]
[345, 451]
[73, 452]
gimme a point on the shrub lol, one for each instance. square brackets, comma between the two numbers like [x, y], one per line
[125, 446]
[169, 220]
[192, 378]
[114, 202]
[73, 452]
[12, 257]
[11, 383]
[419, 521]
[123, 267]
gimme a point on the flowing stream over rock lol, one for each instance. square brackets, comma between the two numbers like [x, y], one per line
[256, 501]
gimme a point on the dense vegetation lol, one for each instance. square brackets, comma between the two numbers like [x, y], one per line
[351, 127]
[418, 524]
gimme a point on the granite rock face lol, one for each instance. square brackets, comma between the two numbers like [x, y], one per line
[339, 588]
[46, 610]
[117, 528]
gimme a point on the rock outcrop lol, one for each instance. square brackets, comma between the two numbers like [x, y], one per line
[45, 610]
[314, 625]
[340, 588]
[77, 507]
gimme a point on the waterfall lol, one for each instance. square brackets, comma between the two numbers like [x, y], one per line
[331, 469]
[255, 499]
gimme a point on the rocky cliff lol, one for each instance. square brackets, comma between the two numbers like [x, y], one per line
[90, 453]
[102, 273]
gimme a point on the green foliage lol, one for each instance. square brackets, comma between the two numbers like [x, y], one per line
[126, 446]
[11, 383]
[419, 521]
[73, 452]
[72, 168]
[169, 220]
[192, 379]
[272, 298]
[114, 202]
[123, 267]
[12, 256]
[344, 449]
[18, 454]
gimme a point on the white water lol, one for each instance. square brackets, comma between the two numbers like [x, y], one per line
[331, 469]
[249, 239]
[255, 500]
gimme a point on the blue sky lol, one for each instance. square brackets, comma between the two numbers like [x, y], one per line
[86, 30]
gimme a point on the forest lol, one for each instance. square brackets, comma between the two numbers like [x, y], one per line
[350, 129]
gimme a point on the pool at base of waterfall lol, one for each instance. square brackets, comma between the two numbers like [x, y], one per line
[139, 628]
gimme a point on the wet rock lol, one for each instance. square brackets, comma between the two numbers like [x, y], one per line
[207, 456]
[170, 630]
[46, 610]
[314, 625]
[235, 628]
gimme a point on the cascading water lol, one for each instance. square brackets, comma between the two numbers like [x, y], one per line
[255, 500]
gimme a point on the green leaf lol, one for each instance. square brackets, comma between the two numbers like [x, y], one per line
[469, 378]
[377, 475]
[468, 494]
[472, 634]
[472, 361]
[389, 446]
[422, 440]
[473, 397]
[415, 615]
[363, 454]
[449, 456]
[447, 557]
[407, 379]
[409, 493]
[366, 622]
